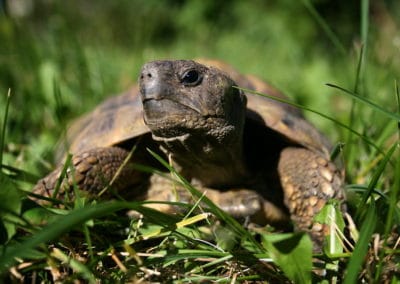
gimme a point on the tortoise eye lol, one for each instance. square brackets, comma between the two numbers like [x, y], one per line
[191, 78]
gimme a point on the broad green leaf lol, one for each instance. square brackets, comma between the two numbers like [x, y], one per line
[332, 216]
[293, 254]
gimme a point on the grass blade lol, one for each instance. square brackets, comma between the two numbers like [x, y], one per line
[391, 215]
[374, 180]
[60, 226]
[367, 102]
[234, 225]
[349, 153]
[331, 35]
[3, 128]
[19, 174]
[394, 195]
[358, 256]
[77, 266]
[364, 22]
[286, 101]
[398, 106]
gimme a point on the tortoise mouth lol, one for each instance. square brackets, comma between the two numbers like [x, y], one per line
[157, 110]
[167, 118]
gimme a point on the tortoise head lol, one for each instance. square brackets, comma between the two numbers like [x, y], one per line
[182, 97]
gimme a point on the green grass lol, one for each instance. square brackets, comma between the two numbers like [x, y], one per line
[63, 58]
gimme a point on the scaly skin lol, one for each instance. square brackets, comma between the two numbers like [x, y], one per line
[92, 171]
[308, 182]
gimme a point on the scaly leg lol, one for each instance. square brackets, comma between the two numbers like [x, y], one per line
[92, 171]
[309, 181]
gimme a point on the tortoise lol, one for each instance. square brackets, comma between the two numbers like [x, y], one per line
[253, 156]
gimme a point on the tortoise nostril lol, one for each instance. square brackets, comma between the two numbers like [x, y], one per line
[145, 76]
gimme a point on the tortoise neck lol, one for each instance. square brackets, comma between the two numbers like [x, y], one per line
[207, 161]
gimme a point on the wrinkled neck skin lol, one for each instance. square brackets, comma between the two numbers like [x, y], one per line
[207, 159]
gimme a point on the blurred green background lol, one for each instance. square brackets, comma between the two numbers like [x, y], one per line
[60, 58]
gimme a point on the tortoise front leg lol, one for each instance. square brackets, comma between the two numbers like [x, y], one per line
[309, 181]
[91, 171]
